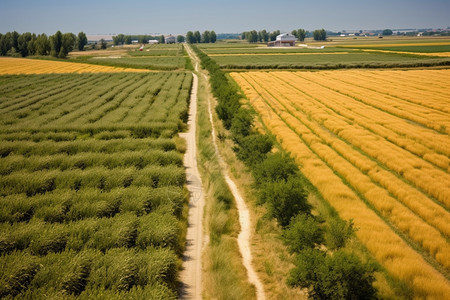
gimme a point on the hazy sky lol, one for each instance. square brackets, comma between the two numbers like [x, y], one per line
[177, 16]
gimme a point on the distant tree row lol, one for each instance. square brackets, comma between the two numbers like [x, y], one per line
[122, 39]
[259, 36]
[263, 36]
[320, 35]
[25, 44]
[196, 37]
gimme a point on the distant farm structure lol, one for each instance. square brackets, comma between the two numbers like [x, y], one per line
[283, 40]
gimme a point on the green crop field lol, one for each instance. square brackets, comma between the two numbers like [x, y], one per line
[92, 185]
[326, 61]
[336, 53]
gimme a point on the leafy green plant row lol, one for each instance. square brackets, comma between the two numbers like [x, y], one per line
[156, 229]
[138, 159]
[322, 266]
[118, 273]
[69, 205]
[41, 182]
[50, 147]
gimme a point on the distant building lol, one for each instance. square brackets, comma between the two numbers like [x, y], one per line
[152, 42]
[171, 39]
[283, 40]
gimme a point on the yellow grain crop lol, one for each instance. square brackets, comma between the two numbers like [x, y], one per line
[9, 65]
[369, 151]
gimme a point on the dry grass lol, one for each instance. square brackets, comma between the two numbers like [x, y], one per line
[10, 65]
[369, 152]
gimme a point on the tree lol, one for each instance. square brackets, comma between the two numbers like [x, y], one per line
[301, 34]
[338, 276]
[56, 42]
[119, 39]
[15, 40]
[22, 43]
[320, 35]
[387, 32]
[206, 37]
[265, 36]
[102, 44]
[128, 39]
[68, 41]
[274, 34]
[190, 37]
[252, 36]
[285, 199]
[197, 36]
[161, 39]
[339, 231]
[294, 33]
[5, 43]
[81, 41]
[180, 39]
[303, 232]
[42, 44]
[213, 37]
[276, 167]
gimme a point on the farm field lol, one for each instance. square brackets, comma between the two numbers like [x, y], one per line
[376, 145]
[153, 57]
[336, 54]
[325, 60]
[10, 65]
[92, 194]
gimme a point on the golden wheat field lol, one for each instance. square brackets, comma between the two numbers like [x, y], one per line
[9, 65]
[376, 145]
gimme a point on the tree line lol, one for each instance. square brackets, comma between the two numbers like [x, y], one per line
[196, 37]
[264, 36]
[25, 44]
[122, 39]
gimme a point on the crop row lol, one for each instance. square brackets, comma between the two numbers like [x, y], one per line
[350, 178]
[137, 159]
[70, 205]
[27, 148]
[40, 182]
[118, 273]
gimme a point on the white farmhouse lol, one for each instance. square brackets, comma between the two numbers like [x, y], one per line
[283, 40]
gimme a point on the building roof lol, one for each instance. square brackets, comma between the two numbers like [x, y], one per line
[286, 36]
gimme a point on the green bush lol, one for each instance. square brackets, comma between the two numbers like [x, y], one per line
[285, 199]
[338, 276]
[253, 149]
[303, 232]
[339, 231]
[276, 167]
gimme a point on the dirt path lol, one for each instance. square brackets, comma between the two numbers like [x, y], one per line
[244, 215]
[244, 218]
[191, 275]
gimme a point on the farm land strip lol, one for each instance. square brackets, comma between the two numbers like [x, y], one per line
[92, 198]
[370, 160]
